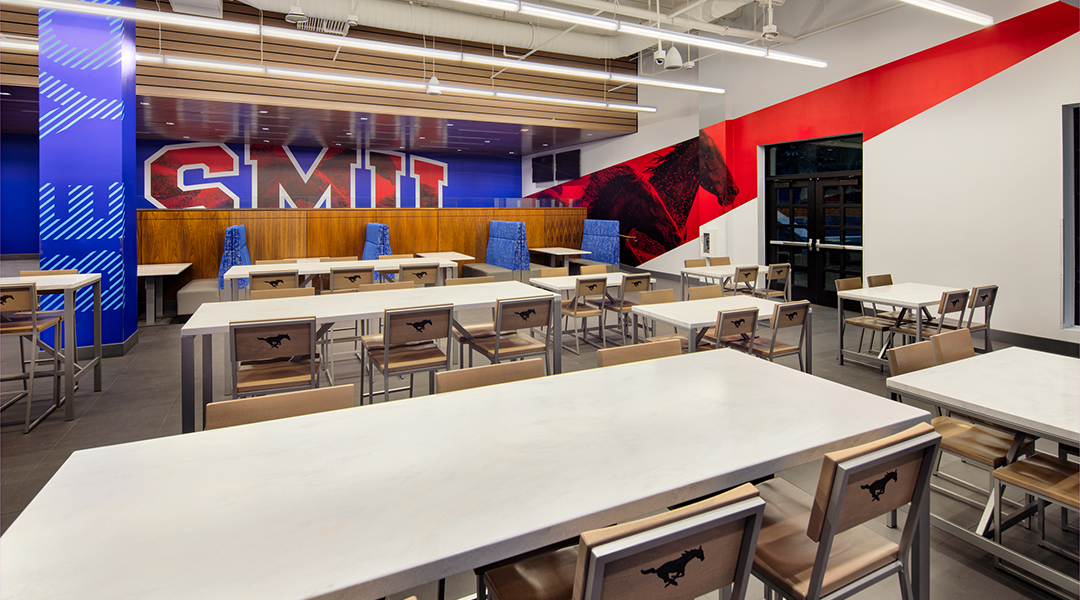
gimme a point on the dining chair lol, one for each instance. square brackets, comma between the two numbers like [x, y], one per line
[555, 272]
[703, 292]
[660, 297]
[274, 280]
[622, 305]
[693, 263]
[593, 269]
[734, 329]
[350, 278]
[891, 315]
[22, 299]
[1048, 479]
[407, 346]
[608, 357]
[474, 377]
[469, 280]
[952, 303]
[338, 258]
[780, 272]
[420, 275]
[981, 297]
[42, 356]
[243, 411]
[273, 355]
[868, 320]
[791, 314]
[744, 281]
[282, 293]
[953, 345]
[588, 293]
[719, 261]
[680, 554]
[816, 546]
[506, 342]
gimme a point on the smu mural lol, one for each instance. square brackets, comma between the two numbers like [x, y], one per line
[213, 175]
[661, 198]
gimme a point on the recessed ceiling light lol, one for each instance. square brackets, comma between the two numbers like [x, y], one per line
[363, 118]
[267, 141]
[9, 93]
[348, 133]
[545, 145]
[589, 134]
[423, 138]
[511, 153]
[487, 141]
[266, 129]
[337, 143]
[524, 129]
[459, 149]
[169, 123]
[449, 124]
[402, 148]
[143, 103]
[186, 137]
[263, 112]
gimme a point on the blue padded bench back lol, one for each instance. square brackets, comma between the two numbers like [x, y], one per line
[507, 247]
[376, 241]
[236, 253]
[601, 239]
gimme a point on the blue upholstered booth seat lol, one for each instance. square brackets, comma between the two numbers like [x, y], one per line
[601, 239]
[376, 241]
[236, 253]
[507, 246]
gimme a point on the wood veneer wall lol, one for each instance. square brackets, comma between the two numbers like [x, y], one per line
[198, 236]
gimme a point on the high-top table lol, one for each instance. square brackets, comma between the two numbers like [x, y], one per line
[313, 267]
[373, 500]
[717, 272]
[908, 297]
[153, 276]
[696, 316]
[1033, 393]
[68, 285]
[559, 251]
[214, 317]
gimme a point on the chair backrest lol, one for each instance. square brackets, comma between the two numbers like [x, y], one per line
[419, 324]
[707, 545]
[228, 413]
[282, 293]
[639, 282]
[867, 481]
[741, 322]
[337, 258]
[851, 283]
[393, 256]
[469, 280]
[276, 261]
[601, 240]
[790, 314]
[657, 296]
[746, 276]
[235, 253]
[593, 269]
[912, 357]
[719, 261]
[982, 296]
[702, 292]
[344, 279]
[779, 272]
[418, 274]
[382, 287]
[694, 262]
[555, 272]
[265, 340]
[608, 357]
[878, 280]
[520, 313]
[274, 280]
[954, 301]
[376, 241]
[19, 297]
[473, 377]
[953, 345]
[590, 286]
[507, 245]
[51, 272]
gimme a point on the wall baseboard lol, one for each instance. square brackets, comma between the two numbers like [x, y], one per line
[19, 256]
[110, 350]
[1032, 342]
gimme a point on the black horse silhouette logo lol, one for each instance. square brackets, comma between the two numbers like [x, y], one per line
[419, 274]
[877, 488]
[4, 298]
[790, 316]
[738, 323]
[420, 325]
[275, 282]
[675, 569]
[591, 286]
[635, 283]
[983, 297]
[275, 342]
[525, 314]
[353, 278]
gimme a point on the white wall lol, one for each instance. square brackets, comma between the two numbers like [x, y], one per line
[970, 192]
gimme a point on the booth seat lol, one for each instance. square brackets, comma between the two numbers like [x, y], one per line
[601, 240]
[376, 241]
[507, 254]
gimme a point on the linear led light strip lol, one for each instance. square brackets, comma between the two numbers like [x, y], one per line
[382, 82]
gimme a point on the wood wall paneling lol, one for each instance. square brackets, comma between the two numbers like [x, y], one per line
[465, 230]
[337, 232]
[565, 226]
[273, 233]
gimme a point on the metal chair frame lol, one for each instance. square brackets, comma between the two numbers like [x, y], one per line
[368, 365]
[270, 324]
[503, 306]
[36, 344]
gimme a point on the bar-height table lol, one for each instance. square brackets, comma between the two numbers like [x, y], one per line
[908, 297]
[717, 272]
[559, 251]
[153, 276]
[373, 500]
[69, 284]
[1033, 393]
[214, 317]
[312, 268]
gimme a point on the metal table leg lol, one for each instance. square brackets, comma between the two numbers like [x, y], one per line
[151, 305]
[71, 351]
[809, 339]
[97, 338]
[556, 335]
[187, 383]
[208, 373]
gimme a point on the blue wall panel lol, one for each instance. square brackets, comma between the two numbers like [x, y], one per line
[18, 194]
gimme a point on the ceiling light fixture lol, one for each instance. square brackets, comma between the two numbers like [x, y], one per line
[296, 15]
[433, 86]
[793, 58]
[507, 5]
[214, 64]
[18, 44]
[952, 10]
[673, 59]
[693, 40]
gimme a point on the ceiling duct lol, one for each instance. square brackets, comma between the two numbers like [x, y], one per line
[320, 25]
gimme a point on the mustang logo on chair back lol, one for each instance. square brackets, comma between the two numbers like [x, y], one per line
[419, 274]
[674, 569]
[591, 286]
[983, 297]
[877, 488]
[954, 301]
[738, 323]
[274, 283]
[525, 314]
[275, 342]
[353, 278]
[420, 325]
[635, 283]
[4, 298]
[790, 316]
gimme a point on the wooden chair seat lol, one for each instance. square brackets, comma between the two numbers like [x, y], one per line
[953, 324]
[674, 336]
[546, 577]
[256, 377]
[949, 426]
[1045, 475]
[615, 306]
[25, 327]
[509, 345]
[579, 309]
[893, 315]
[875, 323]
[983, 445]
[410, 357]
[786, 553]
[475, 330]
[761, 346]
[767, 293]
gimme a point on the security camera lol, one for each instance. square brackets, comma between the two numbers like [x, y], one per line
[688, 65]
[769, 32]
[659, 57]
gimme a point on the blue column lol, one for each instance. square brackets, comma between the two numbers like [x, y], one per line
[86, 131]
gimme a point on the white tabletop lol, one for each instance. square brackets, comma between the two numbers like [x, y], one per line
[55, 283]
[214, 317]
[702, 313]
[560, 251]
[720, 270]
[373, 500]
[322, 268]
[161, 269]
[1035, 392]
[445, 255]
[569, 283]
[903, 295]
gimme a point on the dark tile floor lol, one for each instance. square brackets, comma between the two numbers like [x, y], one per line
[140, 399]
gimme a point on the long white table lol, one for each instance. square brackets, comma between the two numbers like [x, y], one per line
[214, 317]
[312, 268]
[153, 276]
[569, 283]
[717, 272]
[559, 251]
[908, 297]
[68, 285]
[1033, 393]
[373, 500]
